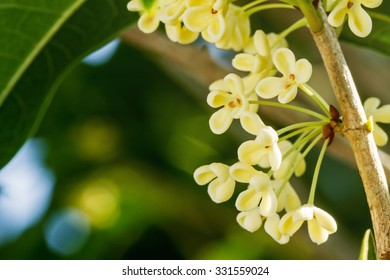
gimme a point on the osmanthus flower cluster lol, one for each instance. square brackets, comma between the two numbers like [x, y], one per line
[271, 75]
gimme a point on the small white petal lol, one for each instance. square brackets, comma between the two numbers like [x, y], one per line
[287, 226]
[288, 95]
[304, 213]
[359, 21]
[221, 191]
[337, 16]
[245, 62]
[268, 204]
[271, 227]
[382, 115]
[248, 200]
[317, 234]
[371, 3]
[217, 98]
[380, 136]
[267, 137]
[235, 84]
[135, 6]
[203, 175]
[371, 105]
[325, 220]
[216, 28]
[275, 157]
[197, 18]
[270, 87]
[251, 122]
[251, 221]
[261, 43]
[251, 152]
[221, 120]
[303, 71]
[242, 172]
[148, 22]
[284, 61]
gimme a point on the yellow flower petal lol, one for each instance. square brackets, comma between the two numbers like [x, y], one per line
[271, 227]
[270, 87]
[261, 43]
[303, 71]
[251, 122]
[325, 220]
[317, 234]
[371, 3]
[221, 191]
[337, 16]
[218, 98]
[221, 120]
[380, 136]
[148, 22]
[359, 21]
[287, 226]
[251, 152]
[245, 62]
[382, 115]
[203, 175]
[251, 221]
[242, 172]
[284, 61]
[248, 200]
[197, 18]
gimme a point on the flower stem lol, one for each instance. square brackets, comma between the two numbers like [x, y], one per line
[307, 125]
[291, 107]
[301, 157]
[314, 20]
[298, 24]
[316, 173]
[252, 4]
[316, 97]
[256, 9]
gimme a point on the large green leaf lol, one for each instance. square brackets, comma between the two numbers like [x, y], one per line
[25, 28]
[66, 34]
[379, 38]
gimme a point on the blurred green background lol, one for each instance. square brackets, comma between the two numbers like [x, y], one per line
[111, 175]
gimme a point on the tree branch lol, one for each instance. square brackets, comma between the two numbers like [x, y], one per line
[360, 138]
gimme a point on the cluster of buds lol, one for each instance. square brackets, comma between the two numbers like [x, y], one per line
[272, 76]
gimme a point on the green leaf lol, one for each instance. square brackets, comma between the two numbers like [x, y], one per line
[35, 70]
[368, 250]
[379, 38]
[25, 28]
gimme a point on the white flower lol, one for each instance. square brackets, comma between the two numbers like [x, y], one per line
[221, 185]
[295, 73]
[171, 11]
[243, 172]
[288, 199]
[359, 20]
[250, 220]
[237, 31]
[289, 162]
[264, 146]
[381, 115]
[179, 33]
[258, 62]
[259, 194]
[320, 223]
[149, 14]
[229, 94]
[206, 16]
[271, 227]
